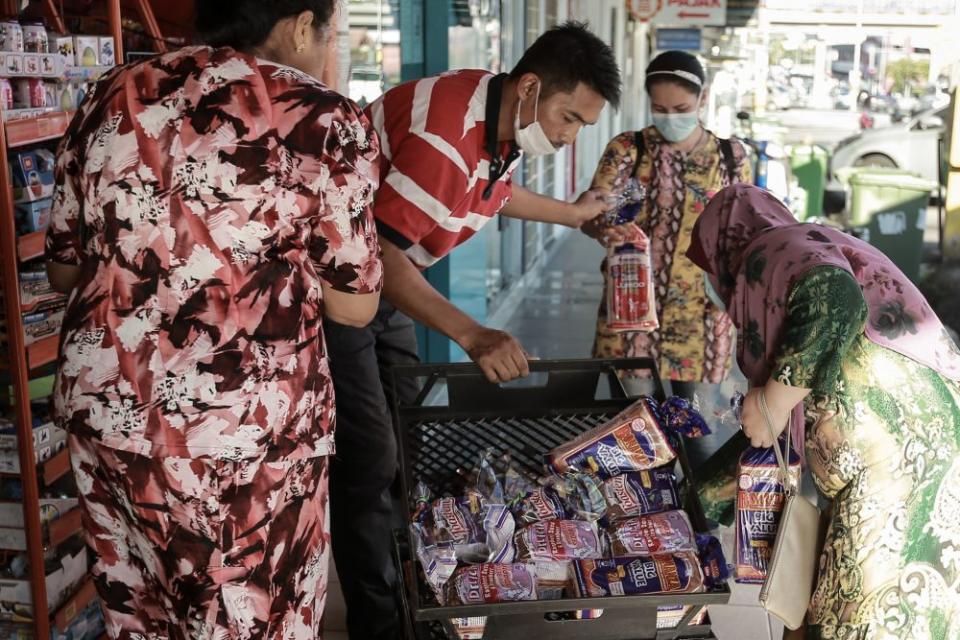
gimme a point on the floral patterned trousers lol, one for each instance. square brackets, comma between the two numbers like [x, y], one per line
[197, 548]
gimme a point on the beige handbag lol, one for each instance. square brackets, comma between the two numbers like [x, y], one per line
[791, 573]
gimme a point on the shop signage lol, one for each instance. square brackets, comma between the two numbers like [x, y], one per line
[678, 39]
[741, 12]
[679, 12]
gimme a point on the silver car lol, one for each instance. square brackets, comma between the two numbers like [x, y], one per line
[911, 145]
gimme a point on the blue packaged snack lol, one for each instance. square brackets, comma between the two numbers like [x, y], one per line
[679, 416]
[633, 440]
[760, 498]
[669, 573]
[640, 493]
[714, 565]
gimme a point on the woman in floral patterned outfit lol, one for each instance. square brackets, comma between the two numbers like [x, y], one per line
[212, 205]
[682, 166]
[847, 351]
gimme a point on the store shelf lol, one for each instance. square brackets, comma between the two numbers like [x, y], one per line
[43, 352]
[75, 605]
[40, 354]
[65, 527]
[27, 131]
[56, 467]
[84, 74]
[30, 246]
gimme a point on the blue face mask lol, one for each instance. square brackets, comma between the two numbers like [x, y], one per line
[676, 127]
[712, 294]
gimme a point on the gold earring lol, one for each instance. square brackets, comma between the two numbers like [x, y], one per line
[301, 48]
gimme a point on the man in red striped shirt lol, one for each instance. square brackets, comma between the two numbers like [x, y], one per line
[450, 144]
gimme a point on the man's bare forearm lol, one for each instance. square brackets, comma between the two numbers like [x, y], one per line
[406, 288]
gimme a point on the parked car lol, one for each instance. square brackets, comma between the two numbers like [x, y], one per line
[910, 144]
[878, 111]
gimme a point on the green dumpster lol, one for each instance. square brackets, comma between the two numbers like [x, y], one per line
[809, 166]
[888, 209]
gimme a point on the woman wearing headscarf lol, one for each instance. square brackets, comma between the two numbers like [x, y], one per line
[681, 165]
[212, 207]
[847, 353]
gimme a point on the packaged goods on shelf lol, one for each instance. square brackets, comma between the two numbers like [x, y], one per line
[89, 625]
[87, 50]
[107, 51]
[34, 37]
[11, 513]
[32, 173]
[36, 292]
[64, 570]
[65, 47]
[11, 36]
[33, 216]
[48, 440]
[37, 326]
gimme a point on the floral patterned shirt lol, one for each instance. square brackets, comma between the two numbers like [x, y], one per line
[695, 340]
[207, 196]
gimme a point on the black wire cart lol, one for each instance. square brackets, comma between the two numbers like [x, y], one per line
[457, 416]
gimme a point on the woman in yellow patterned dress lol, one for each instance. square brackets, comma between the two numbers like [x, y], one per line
[681, 165]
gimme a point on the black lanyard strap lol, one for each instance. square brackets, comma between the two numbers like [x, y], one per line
[498, 164]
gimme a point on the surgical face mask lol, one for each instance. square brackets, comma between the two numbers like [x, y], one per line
[531, 139]
[677, 127]
[712, 294]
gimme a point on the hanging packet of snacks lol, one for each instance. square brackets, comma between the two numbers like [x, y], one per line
[631, 305]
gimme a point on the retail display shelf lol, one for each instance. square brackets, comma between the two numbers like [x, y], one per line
[75, 604]
[56, 467]
[47, 126]
[30, 246]
[43, 352]
[66, 526]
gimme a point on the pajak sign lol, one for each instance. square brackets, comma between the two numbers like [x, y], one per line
[679, 12]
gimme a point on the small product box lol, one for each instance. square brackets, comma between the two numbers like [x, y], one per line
[65, 47]
[65, 100]
[87, 49]
[107, 52]
[63, 575]
[49, 64]
[33, 216]
[48, 441]
[13, 63]
[31, 64]
[32, 173]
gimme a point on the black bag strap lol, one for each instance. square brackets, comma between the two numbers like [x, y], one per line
[729, 159]
[641, 145]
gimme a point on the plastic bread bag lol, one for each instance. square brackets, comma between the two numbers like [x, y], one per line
[631, 299]
[438, 562]
[553, 579]
[633, 440]
[639, 493]
[760, 498]
[558, 540]
[644, 575]
[667, 532]
[492, 583]
[581, 495]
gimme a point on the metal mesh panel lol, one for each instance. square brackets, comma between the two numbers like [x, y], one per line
[437, 449]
